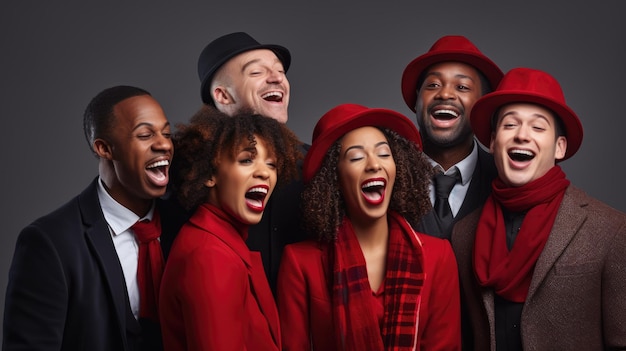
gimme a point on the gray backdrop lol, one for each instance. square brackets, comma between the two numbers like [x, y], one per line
[54, 57]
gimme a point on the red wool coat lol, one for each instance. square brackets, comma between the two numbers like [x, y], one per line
[214, 293]
[305, 304]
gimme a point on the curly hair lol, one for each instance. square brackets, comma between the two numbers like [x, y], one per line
[324, 206]
[211, 134]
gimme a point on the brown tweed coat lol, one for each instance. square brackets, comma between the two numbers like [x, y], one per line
[577, 296]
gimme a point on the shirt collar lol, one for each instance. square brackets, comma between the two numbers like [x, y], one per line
[466, 166]
[119, 218]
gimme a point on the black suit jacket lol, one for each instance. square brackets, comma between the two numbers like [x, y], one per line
[66, 288]
[479, 189]
[477, 193]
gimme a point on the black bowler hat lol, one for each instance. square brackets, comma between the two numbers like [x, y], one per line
[222, 49]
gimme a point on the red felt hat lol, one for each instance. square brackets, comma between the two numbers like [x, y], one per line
[450, 48]
[346, 117]
[527, 86]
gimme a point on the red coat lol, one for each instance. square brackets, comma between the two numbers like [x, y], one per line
[304, 301]
[214, 294]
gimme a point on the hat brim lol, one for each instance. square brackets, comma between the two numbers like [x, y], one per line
[485, 108]
[280, 51]
[375, 117]
[415, 68]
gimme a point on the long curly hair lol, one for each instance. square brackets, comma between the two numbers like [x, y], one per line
[211, 134]
[324, 206]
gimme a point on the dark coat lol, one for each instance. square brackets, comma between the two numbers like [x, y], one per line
[66, 288]
[478, 191]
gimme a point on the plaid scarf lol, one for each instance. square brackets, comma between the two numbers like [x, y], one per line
[510, 273]
[356, 325]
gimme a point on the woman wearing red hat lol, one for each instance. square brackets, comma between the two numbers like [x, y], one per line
[542, 264]
[369, 281]
[214, 293]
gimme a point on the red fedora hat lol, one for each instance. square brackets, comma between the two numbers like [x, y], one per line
[222, 49]
[346, 117]
[528, 86]
[450, 48]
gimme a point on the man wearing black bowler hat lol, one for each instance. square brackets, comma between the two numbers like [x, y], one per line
[238, 74]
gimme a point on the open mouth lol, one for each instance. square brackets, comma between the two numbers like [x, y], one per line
[255, 197]
[273, 96]
[373, 190]
[158, 172]
[521, 155]
[444, 114]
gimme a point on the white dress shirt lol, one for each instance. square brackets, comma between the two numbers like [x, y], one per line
[120, 219]
[466, 167]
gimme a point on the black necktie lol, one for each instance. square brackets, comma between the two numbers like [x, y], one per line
[443, 187]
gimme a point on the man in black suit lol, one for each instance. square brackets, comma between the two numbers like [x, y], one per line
[73, 282]
[441, 87]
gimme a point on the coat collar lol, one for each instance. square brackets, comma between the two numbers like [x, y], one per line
[233, 234]
[223, 227]
[569, 219]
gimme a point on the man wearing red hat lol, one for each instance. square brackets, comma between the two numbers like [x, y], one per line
[239, 74]
[542, 264]
[441, 86]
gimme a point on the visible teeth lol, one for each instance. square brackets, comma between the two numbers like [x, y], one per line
[446, 112]
[522, 152]
[272, 93]
[159, 164]
[258, 190]
[373, 183]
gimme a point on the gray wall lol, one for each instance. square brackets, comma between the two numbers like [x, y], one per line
[54, 57]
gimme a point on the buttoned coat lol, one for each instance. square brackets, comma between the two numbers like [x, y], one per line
[577, 295]
[66, 288]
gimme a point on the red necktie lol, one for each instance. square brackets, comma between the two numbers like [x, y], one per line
[149, 266]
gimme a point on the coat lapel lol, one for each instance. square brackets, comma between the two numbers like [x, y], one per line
[259, 286]
[99, 238]
[429, 224]
[567, 223]
[261, 290]
[480, 185]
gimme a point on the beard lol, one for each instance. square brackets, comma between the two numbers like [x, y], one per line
[457, 135]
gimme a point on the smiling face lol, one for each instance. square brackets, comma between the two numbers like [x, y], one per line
[254, 80]
[525, 144]
[367, 173]
[243, 183]
[444, 102]
[135, 157]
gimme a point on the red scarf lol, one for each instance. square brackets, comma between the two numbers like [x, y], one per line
[357, 327]
[510, 272]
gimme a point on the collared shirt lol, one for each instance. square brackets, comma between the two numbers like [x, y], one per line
[466, 167]
[120, 219]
